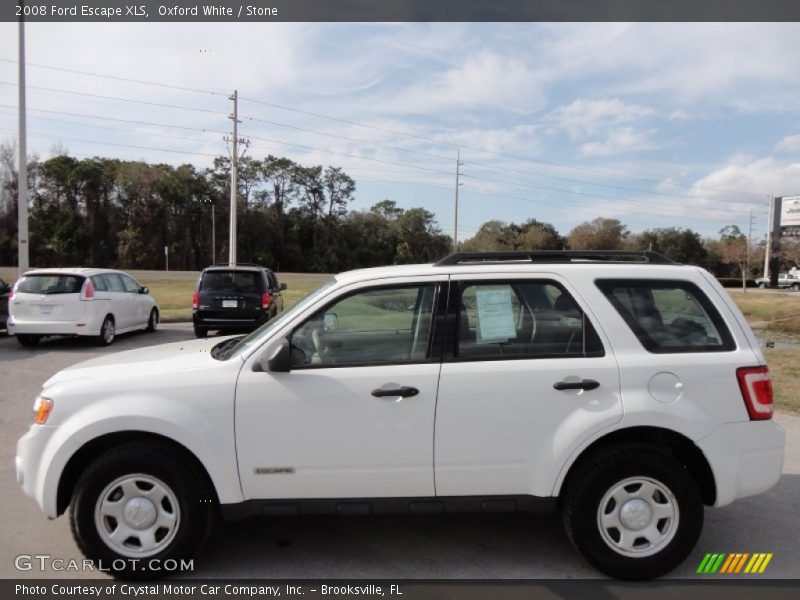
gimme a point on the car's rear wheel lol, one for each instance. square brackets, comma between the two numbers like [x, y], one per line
[139, 505]
[29, 340]
[152, 322]
[633, 512]
[107, 332]
[200, 332]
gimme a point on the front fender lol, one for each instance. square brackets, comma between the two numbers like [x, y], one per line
[205, 431]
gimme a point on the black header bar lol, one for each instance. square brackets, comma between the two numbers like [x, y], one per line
[398, 10]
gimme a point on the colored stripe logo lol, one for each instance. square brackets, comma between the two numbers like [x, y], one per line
[734, 563]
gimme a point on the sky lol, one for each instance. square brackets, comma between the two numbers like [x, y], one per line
[656, 124]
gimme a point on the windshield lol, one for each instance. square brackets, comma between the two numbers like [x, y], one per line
[235, 346]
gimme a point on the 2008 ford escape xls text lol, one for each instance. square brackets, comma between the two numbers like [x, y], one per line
[619, 388]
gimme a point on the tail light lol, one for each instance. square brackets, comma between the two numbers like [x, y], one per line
[756, 387]
[195, 300]
[87, 293]
[265, 300]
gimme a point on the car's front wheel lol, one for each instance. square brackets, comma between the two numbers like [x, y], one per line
[633, 512]
[152, 322]
[141, 508]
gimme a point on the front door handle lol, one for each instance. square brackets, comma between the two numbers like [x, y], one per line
[581, 384]
[393, 392]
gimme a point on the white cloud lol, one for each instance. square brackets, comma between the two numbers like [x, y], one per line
[483, 80]
[584, 117]
[749, 180]
[666, 185]
[623, 139]
[791, 143]
[679, 115]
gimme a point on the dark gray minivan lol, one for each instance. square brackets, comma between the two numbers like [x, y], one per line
[235, 298]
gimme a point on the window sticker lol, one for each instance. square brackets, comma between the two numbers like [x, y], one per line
[495, 316]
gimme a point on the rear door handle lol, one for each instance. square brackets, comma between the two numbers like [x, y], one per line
[402, 391]
[583, 384]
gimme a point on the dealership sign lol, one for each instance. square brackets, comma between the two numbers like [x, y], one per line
[790, 212]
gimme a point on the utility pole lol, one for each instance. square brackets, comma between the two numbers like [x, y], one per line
[749, 245]
[768, 247]
[459, 164]
[213, 237]
[22, 179]
[234, 159]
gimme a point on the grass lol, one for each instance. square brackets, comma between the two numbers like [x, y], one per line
[774, 311]
[784, 366]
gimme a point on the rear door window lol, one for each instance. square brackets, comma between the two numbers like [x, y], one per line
[668, 316]
[99, 282]
[50, 284]
[114, 282]
[231, 281]
[522, 319]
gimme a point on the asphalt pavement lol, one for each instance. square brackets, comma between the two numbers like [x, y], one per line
[387, 547]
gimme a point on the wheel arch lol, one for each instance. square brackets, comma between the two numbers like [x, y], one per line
[676, 444]
[81, 459]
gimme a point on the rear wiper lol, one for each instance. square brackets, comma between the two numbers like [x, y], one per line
[218, 351]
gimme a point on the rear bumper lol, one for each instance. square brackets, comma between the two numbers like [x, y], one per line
[85, 325]
[746, 458]
[232, 321]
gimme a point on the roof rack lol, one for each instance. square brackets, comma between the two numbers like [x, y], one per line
[238, 264]
[557, 256]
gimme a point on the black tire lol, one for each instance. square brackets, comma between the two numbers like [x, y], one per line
[108, 332]
[201, 332]
[796, 287]
[152, 322]
[196, 507]
[604, 472]
[29, 341]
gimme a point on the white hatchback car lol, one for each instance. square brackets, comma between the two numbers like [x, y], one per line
[626, 394]
[100, 303]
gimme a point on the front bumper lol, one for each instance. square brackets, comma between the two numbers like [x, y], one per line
[31, 465]
[746, 458]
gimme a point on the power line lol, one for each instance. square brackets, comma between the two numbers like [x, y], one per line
[57, 137]
[104, 118]
[116, 98]
[147, 133]
[376, 128]
[118, 78]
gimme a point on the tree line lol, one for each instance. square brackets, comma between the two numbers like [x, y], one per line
[108, 212]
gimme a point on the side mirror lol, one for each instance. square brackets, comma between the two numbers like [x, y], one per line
[144, 290]
[278, 359]
[282, 286]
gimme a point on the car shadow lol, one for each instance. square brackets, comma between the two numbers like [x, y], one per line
[476, 546]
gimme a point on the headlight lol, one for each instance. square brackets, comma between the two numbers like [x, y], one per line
[42, 408]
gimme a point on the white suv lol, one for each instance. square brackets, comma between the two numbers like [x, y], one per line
[99, 303]
[620, 388]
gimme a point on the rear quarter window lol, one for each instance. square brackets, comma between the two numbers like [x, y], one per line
[668, 316]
